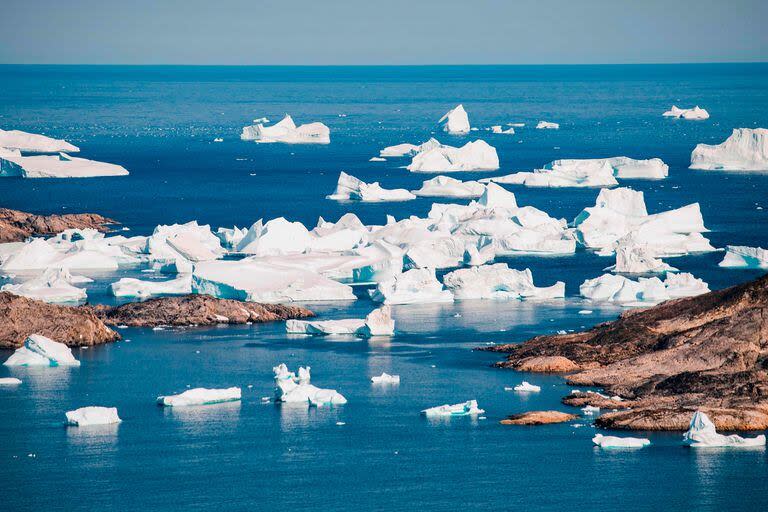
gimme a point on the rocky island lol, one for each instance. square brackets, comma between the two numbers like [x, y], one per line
[17, 226]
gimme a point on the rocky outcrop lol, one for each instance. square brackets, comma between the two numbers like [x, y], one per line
[538, 418]
[189, 310]
[16, 226]
[547, 364]
[708, 352]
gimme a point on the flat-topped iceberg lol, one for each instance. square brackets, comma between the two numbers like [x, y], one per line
[41, 351]
[290, 388]
[745, 150]
[527, 387]
[740, 256]
[350, 188]
[546, 125]
[694, 113]
[287, 132]
[93, 415]
[593, 174]
[498, 282]
[200, 396]
[53, 286]
[53, 253]
[379, 322]
[56, 166]
[472, 156]
[9, 381]
[385, 378]
[401, 150]
[34, 143]
[468, 408]
[702, 434]
[616, 288]
[445, 186]
[622, 167]
[415, 286]
[455, 121]
[130, 287]
[620, 442]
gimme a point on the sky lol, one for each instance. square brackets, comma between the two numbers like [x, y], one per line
[382, 32]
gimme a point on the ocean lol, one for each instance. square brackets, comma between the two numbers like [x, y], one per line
[160, 123]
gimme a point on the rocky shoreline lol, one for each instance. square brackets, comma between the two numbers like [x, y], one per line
[661, 364]
[17, 226]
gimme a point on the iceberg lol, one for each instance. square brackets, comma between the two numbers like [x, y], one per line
[290, 388]
[53, 286]
[401, 150]
[740, 256]
[34, 143]
[385, 378]
[287, 132]
[56, 166]
[445, 186]
[276, 237]
[87, 416]
[415, 286]
[633, 257]
[183, 245]
[468, 408]
[130, 287]
[546, 125]
[694, 113]
[622, 167]
[498, 282]
[527, 387]
[350, 188]
[455, 121]
[745, 150]
[563, 174]
[702, 433]
[472, 156]
[200, 396]
[501, 131]
[616, 288]
[41, 351]
[9, 381]
[378, 323]
[619, 442]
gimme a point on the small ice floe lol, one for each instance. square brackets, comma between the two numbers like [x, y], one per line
[527, 387]
[290, 388]
[86, 416]
[350, 188]
[694, 113]
[415, 286]
[41, 351]
[468, 408]
[445, 186]
[385, 378]
[379, 322]
[287, 132]
[455, 121]
[9, 381]
[340, 423]
[620, 442]
[745, 150]
[702, 433]
[546, 125]
[501, 131]
[200, 396]
[377, 159]
[739, 256]
[585, 312]
[590, 410]
[265, 399]
[218, 139]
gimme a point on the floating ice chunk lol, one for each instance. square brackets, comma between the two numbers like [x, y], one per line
[218, 139]
[745, 150]
[185, 243]
[472, 156]
[385, 378]
[287, 132]
[468, 408]
[619, 442]
[456, 121]
[290, 388]
[130, 287]
[41, 351]
[278, 236]
[415, 286]
[694, 113]
[87, 416]
[637, 258]
[622, 167]
[56, 166]
[435, 252]
[445, 186]
[527, 387]
[200, 396]
[401, 150]
[590, 410]
[9, 381]
[377, 159]
[739, 256]
[34, 143]
[597, 174]
[546, 125]
[378, 323]
[616, 288]
[350, 188]
[231, 237]
[499, 130]
[684, 284]
[702, 433]
[53, 286]
[498, 281]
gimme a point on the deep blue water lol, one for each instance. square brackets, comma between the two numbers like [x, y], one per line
[159, 122]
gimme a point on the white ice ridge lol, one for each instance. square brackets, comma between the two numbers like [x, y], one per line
[87, 416]
[350, 188]
[546, 125]
[379, 322]
[472, 156]
[401, 150]
[130, 287]
[385, 378]
[615, 288]
[55, 166]
[41, 351]
[456, 121]
[445, 186]
[499, 282]
[745, 150]
[200, 396]
[416, 286]
[55, 285]
[702, 433]
[694, 113]
[9, 381]
[34, 143]
[468, 408]
[740, 256]
[622, 211]
[290, 388]
[286, 131]
[527, 387]
[620, 442]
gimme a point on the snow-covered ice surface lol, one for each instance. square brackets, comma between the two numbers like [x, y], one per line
[287, 132]
[468, 408]
[702, 434]
[620, 442]
[200, 396]
[445, 186]
[41, 351]
[92, 415]
[56, 166]
[746, 149]
[34, 143]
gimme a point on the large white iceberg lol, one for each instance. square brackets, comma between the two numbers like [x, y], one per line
[56, 166]
[616, 288]
[53, 286]
[278, 236]
[472, 156]
[290, 388]
[619, 442]
[702, 433]
[182, 245]
[87, 416]
[745, 150]
[622, 167]
[41, 351]
[378, 323]
[498, 281]
[200, 396]
[740, 256]
[694, 113]
[350, 188]
[34, 143]
[445, 186]
[592, 174]
[455, 121]
[415, 286]
[130, 287]
[286, 131]
[468, 408]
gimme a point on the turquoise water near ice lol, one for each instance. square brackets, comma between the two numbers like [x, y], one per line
[160, 122]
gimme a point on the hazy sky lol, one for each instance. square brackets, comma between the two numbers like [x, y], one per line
[382, 32]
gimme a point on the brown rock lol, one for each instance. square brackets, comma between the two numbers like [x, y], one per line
[546, 364]
[679, 417]
[538, 418]
[16, 226]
